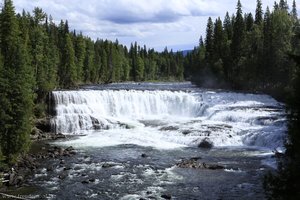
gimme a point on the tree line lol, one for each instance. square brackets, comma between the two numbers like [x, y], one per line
[37, 56]
[248, 51]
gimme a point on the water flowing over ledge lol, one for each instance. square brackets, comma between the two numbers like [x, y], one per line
[169, 119]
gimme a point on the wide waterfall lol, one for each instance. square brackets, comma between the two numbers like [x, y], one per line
[167, 119]
[86, 110]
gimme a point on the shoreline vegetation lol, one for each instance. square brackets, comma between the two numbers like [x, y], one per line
[244, 52]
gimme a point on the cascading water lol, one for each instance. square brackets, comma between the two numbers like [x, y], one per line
[168, 119]
[86, 110]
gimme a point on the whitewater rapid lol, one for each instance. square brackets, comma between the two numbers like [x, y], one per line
[168, 119]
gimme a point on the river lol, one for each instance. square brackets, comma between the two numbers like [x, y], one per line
[133, 135]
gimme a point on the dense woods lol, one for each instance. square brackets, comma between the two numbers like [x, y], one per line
[245, 51]
[249, 51]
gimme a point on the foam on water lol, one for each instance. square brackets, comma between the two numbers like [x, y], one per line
[168, 119]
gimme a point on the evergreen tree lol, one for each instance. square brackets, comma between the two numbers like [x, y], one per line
[15, 90]
[238, 32]
[249, 22]
[276, 6]
[218, 39]
[80, 48]
[89, 67]
[209, 44]
[294, 11]
[237, 45]
[258, 13]
[283, 5]
[282, 33]
[68, 75]
[267, 46]
[228, 27]
[140, 69]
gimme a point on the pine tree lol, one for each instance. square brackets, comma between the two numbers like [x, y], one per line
[218, 39]
[283, 5]
[228, 27]
[209, 43]
[276, 6]
[104, 68]
[258, 13]
[68, 76]
[140, 69]
[15, 89]
[267, 46]
[249, 22]
[282, 33]
[80, 48]
[294, 11]
[237, 45]
[238, 32]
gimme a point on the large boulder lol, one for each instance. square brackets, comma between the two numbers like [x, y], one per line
[205, 144]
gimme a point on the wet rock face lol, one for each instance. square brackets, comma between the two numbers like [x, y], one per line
[43, 124]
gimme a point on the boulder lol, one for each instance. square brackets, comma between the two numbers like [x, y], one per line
[205, 144]
[85, 182]
[194, 164]
[43, 124]
[144, 155]
[186, 132]
[166, 196]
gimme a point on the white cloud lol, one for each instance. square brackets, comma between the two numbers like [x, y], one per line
[157, 23]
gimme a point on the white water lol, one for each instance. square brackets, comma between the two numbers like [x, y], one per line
[168, 119]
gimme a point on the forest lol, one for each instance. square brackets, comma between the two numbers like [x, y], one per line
[254, 52]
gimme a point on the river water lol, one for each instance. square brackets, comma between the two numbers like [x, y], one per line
[132, 135]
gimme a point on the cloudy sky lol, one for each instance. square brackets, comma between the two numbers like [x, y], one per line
[177, 24]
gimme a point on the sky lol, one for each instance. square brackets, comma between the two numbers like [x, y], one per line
[176, 24]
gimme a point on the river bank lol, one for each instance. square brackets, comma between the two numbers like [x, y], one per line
[15, 178]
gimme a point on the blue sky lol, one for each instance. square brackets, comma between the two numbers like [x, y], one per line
[177, 24]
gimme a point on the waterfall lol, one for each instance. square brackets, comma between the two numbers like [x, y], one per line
[102, 109]
[165, 119]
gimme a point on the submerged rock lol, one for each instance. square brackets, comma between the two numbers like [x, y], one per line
[108, 165]
[85, 182]
[186, 132]
[169, 128]
[144, 155]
